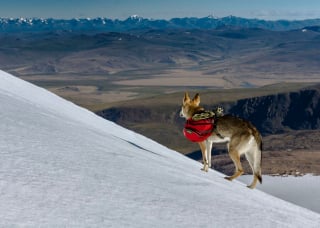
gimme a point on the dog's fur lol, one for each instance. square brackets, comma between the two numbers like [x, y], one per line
[240, 135]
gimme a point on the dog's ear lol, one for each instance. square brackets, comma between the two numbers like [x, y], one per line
[186, 98]
[196, 99]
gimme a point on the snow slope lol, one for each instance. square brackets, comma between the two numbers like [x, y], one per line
[63, 166]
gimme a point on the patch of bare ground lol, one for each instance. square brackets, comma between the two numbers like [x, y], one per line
[298, 162]
[196, 78]
[90, 96]
[176, 81]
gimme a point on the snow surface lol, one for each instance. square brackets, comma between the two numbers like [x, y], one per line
[303, 191]
[63, 166]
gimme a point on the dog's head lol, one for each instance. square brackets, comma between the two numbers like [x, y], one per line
[190, 106]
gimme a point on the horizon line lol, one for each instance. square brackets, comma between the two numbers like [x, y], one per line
[137, 17]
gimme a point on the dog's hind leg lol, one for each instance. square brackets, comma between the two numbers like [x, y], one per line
[254, 158]
[204, 156]
[235, 157]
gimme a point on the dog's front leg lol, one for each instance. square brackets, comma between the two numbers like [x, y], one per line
[208, 150]
[204, 156]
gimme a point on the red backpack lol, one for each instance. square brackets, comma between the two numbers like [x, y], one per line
[198, 130]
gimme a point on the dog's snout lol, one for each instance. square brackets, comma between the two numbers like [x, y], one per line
[181, 113]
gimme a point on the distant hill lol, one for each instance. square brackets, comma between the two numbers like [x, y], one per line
[239, 56]
[138, 23]
[281, 112]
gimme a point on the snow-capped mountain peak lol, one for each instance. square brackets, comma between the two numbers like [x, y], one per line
[109, 25]
[135, 17]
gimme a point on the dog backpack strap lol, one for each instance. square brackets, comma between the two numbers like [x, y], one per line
[215, 130]
[203, 115]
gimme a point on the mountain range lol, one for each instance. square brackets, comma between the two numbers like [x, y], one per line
[138, 23]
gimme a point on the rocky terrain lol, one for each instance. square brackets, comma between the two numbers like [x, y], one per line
[281, 112]
[280, 163]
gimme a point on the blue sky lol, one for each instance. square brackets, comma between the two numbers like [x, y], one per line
[161, 9]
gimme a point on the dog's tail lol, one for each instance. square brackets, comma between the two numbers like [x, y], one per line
[259, 172]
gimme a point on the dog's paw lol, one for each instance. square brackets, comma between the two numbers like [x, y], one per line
[205, 168]
[228, 178]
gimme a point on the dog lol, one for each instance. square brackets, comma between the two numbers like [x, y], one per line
[239, 134]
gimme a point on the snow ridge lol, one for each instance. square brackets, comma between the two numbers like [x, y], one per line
[63, 166]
